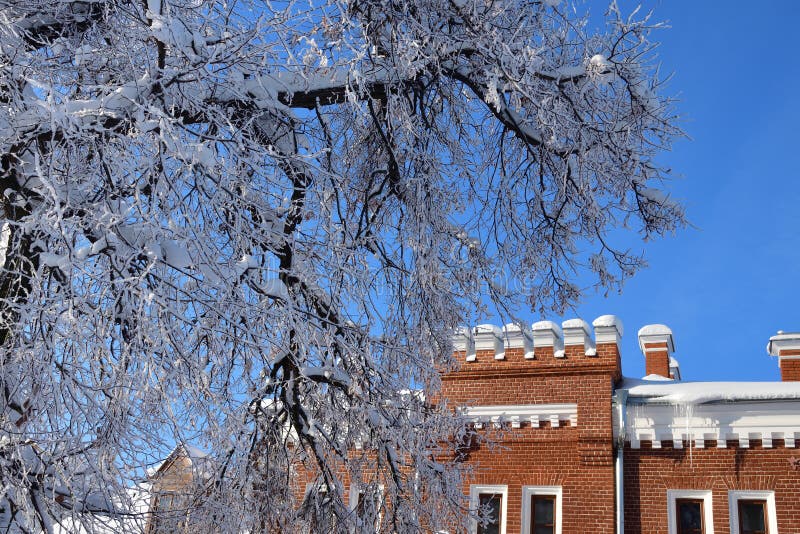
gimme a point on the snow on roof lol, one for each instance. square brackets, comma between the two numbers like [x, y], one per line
[546, 325]
[607, 321]
[670, 392]
[196, 457]
[657, 378]
[655, 330]
[132, 517]
[488, 329]
[575, 323]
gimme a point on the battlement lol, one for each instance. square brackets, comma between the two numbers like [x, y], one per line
[543, 346]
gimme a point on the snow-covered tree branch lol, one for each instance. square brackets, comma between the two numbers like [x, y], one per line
[251, 226]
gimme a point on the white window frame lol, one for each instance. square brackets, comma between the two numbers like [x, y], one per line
[358, 489]
[734, 496]
[708, 509]
[530, 491]
[320, 488]
[499, 489]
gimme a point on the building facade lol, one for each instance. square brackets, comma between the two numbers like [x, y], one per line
[584, 449]
[578, 448]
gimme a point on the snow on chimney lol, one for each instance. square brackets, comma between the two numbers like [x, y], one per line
[786, 346]
[655, 341]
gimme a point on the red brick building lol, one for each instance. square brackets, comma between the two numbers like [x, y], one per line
[586, 450]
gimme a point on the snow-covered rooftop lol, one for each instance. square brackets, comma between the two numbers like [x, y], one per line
[650, 389]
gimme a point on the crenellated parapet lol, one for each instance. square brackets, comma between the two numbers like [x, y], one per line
[544, 346]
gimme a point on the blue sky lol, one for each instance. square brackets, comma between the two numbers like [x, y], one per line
[727, 285]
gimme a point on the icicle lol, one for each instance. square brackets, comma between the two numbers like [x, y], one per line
[688, 410]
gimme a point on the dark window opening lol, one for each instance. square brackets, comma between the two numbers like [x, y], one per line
[753, 517]
[690, 516]
[543, 514]
[490, 504]
[367, 509]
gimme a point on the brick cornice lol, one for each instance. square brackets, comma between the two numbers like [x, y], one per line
[528, 371]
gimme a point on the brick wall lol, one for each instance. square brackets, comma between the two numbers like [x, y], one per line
[649, 473]
[656, 359]
[579, 458]
[790, 367]
[790, 370]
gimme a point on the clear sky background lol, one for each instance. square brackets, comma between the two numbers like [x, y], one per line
[728, 284]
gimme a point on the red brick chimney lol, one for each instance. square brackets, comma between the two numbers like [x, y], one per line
[657, 344]
[786, 346]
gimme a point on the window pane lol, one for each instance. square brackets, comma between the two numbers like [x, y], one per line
[360, 506]
[367, 509]
[493, 503]
[752, 517]
[543, 520]
[543, 511]
[690, 516]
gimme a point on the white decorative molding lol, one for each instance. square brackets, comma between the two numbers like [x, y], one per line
[518, 413]
[744, 441]
[708, 509]
[733, 508]
[547, 334]
[516, 337]
[656, 333]
[742, 421]
[464, 342]
[489, 337]
[783, 341]
[576, 332]
[607, 329]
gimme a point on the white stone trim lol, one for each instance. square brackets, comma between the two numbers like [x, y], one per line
[742, 421]
[783, 341]
[489, 337]
[517, 337]
[355, 490]
[528, 492]
[608, 329]
[656, 333]
[519, 413]
[576, 332]
[547, 334]
[475, 490]
[733, 508]
[708, 509]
